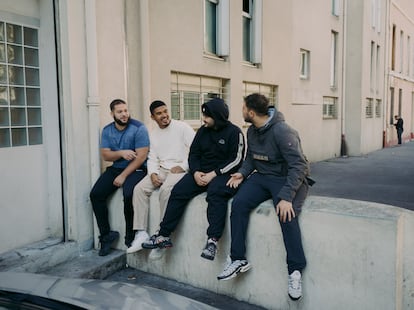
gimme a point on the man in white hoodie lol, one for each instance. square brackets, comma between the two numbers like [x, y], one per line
[167, 163]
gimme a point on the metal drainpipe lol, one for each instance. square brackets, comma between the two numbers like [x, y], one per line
[344, 149]
[145, 54]
[93, 100]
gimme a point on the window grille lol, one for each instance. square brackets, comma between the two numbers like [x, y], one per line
[369, 108]
[378, 108]
[270, 91]
[330, 107]
[189, 92]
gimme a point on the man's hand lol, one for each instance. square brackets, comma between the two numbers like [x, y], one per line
[128, 154]
[235, 180]
[284, 210]
[156, 181]
[207, 177]
[198, 177]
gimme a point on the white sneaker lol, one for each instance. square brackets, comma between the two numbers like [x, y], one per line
[233, 269]
[136, 245]
[295, 285]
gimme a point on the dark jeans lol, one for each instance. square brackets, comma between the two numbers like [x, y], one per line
[218, 195]
[101, 191]
[256, 189]
[399, 134]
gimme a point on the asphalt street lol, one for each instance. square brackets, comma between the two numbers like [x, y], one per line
[384, 176]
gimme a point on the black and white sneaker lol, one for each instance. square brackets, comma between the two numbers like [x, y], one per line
[295, 285]
[209, 251]
[157, 241]
[233, 269]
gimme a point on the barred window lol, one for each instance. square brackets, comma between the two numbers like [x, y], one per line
[189, 92]
[20, 106]
[369, 108]
[330, 107]
[378, 108]
[270, 91]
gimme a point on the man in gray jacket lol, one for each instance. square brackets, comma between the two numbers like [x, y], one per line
[275, 168]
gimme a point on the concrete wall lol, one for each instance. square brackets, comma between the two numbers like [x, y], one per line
[359, 255]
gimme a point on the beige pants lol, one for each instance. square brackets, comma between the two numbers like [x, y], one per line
[142, 194]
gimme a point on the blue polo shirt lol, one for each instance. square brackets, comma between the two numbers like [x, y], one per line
[134, 136]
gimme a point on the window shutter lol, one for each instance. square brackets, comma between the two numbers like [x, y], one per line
[256, 35]
[223, 28]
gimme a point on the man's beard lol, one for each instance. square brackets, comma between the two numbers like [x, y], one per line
[247, 119]
[121, 123]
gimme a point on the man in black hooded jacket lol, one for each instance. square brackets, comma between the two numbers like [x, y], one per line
[216, 152]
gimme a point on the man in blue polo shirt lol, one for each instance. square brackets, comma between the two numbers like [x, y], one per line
[125, 142]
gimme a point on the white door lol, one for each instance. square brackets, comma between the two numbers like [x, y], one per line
[30, 168]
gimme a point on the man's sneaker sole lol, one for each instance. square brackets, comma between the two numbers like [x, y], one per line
[235, 273]
[294, 298]
[209, 257]
[161, 245]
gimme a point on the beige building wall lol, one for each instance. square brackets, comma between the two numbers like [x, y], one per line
[364, 75]
[159, 43]
[400, 66]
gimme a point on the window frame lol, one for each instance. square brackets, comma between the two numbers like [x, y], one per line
[206, 88]
[304, 67]
[329, 107]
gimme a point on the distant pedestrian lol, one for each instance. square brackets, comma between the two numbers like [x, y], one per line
[125, 142]
[275, 168]
[399, 126]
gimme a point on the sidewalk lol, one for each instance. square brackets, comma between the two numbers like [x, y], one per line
[384, 176]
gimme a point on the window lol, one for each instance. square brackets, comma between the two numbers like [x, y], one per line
[400, 98]
[376, 15]
[252, 31]
[392, 103]
[189, 92]
[20, 106]
[210, 17]
[216, 27]
[304, 64]
[401, 51]
[270, 91]
[372, 66]
[378, 108]
[330, 107]
[335, 7]
[377, 70]
[369, 108]
[393, 48]
[408, 55]
[334, 42]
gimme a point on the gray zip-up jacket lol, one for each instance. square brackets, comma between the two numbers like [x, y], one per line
[276, 149]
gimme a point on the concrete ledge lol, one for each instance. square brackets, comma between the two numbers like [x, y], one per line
[69, 260]
[360, 256]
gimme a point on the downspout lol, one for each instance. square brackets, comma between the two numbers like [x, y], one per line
[386, 83]
[93, 101]
[344, 149]
[145, 55]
